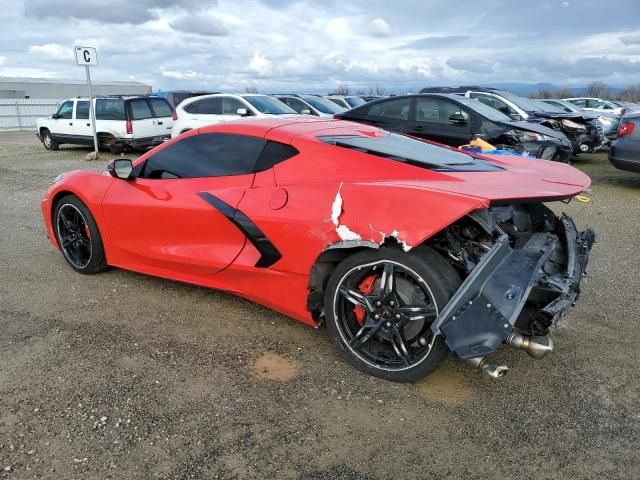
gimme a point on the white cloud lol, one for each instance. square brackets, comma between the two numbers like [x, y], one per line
[260, 64]
[178, 74]
[54, 51]
[378, 27]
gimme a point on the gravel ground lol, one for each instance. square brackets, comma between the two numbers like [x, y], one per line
[121, 375]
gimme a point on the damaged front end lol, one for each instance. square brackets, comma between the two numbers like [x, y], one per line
[523, 267]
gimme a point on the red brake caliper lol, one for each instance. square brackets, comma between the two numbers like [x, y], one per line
[366, 288]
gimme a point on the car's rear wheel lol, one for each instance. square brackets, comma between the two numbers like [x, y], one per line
[108, 143]
[48, 141]
[379, 307]
[78, 236]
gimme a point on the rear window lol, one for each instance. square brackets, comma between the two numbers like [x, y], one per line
[140, 109]
[410, 150]
[161, 107]
[110, 109]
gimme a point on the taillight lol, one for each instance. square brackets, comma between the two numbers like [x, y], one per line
[626, 128]
[129, 127]
[175, 115]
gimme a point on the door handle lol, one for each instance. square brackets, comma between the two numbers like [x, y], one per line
[70, 123]
[88, 124]
[159, 123]
[418, 127]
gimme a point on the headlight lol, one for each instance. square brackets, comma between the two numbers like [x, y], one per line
[607, 120]
[575, 125]
[534, 137]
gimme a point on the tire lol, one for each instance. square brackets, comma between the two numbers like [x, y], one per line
[107, 143]
[78, 236]
[48, 141]
[424, 276]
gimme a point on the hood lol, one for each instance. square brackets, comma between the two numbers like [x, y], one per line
[523, 178]
[534, 127]
[561, 115]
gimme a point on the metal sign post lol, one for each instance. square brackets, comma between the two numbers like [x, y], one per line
[88, 56]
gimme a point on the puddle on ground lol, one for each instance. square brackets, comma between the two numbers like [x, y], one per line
[446, 386]
[271, 366]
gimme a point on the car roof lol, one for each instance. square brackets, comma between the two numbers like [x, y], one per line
[284, 129]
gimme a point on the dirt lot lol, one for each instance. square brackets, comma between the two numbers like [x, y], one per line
[120, 375]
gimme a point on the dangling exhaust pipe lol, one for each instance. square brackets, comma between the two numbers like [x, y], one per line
[536, 347]
[489, 370]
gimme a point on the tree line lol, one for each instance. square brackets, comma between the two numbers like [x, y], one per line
[594, 89]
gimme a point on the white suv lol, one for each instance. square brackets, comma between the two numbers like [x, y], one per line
[121, 122]
[221, 107]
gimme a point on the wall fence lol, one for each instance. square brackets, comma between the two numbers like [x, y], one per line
[21, 114]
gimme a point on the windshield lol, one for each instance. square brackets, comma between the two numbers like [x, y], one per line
[269, 105]
[525, 104]
[354, 101]
[485, 110]
[548, 107]
[322, 104]
[410, 150]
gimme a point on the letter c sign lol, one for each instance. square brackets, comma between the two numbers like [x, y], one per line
[86, 56]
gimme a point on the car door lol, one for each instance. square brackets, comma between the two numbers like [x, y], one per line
[81, 123]
[393, 114]
[162, 116]
[206, 111]
[62, 122]
[176, 217]
[441, 120]
[143, 120]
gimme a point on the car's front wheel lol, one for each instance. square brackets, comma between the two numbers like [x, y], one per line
[379, 307]
[78, 236]
[48, 141]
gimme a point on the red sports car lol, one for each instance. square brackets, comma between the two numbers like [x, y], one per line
[405, 249]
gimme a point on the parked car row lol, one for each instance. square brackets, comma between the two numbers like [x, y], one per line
[553, 129]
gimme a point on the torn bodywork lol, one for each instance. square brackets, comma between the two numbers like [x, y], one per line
[523, 268]
[585, 133]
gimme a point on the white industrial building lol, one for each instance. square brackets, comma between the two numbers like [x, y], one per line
[24, 100]
[37, 88]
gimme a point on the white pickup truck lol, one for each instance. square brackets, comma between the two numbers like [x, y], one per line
[121, 122]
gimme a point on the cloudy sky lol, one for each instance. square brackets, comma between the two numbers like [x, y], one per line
[311, 45]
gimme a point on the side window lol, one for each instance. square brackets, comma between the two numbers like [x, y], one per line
[231, 105]
[206, 155]
[82, 110]
[437, 110]
[65, 110]
[296, 104]
[206, 106]
[110, 109]
[161, 107]
[140, 109]
[494, 102]
[579, 103]
[272, 154]
[397, 109]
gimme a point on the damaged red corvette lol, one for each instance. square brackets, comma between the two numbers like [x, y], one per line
[405, 249]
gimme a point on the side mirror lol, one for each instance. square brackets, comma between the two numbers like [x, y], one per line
[243, 112]
[54, 116]
[457, 118]
[305, 111]
[120, 168]
[515, 116]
